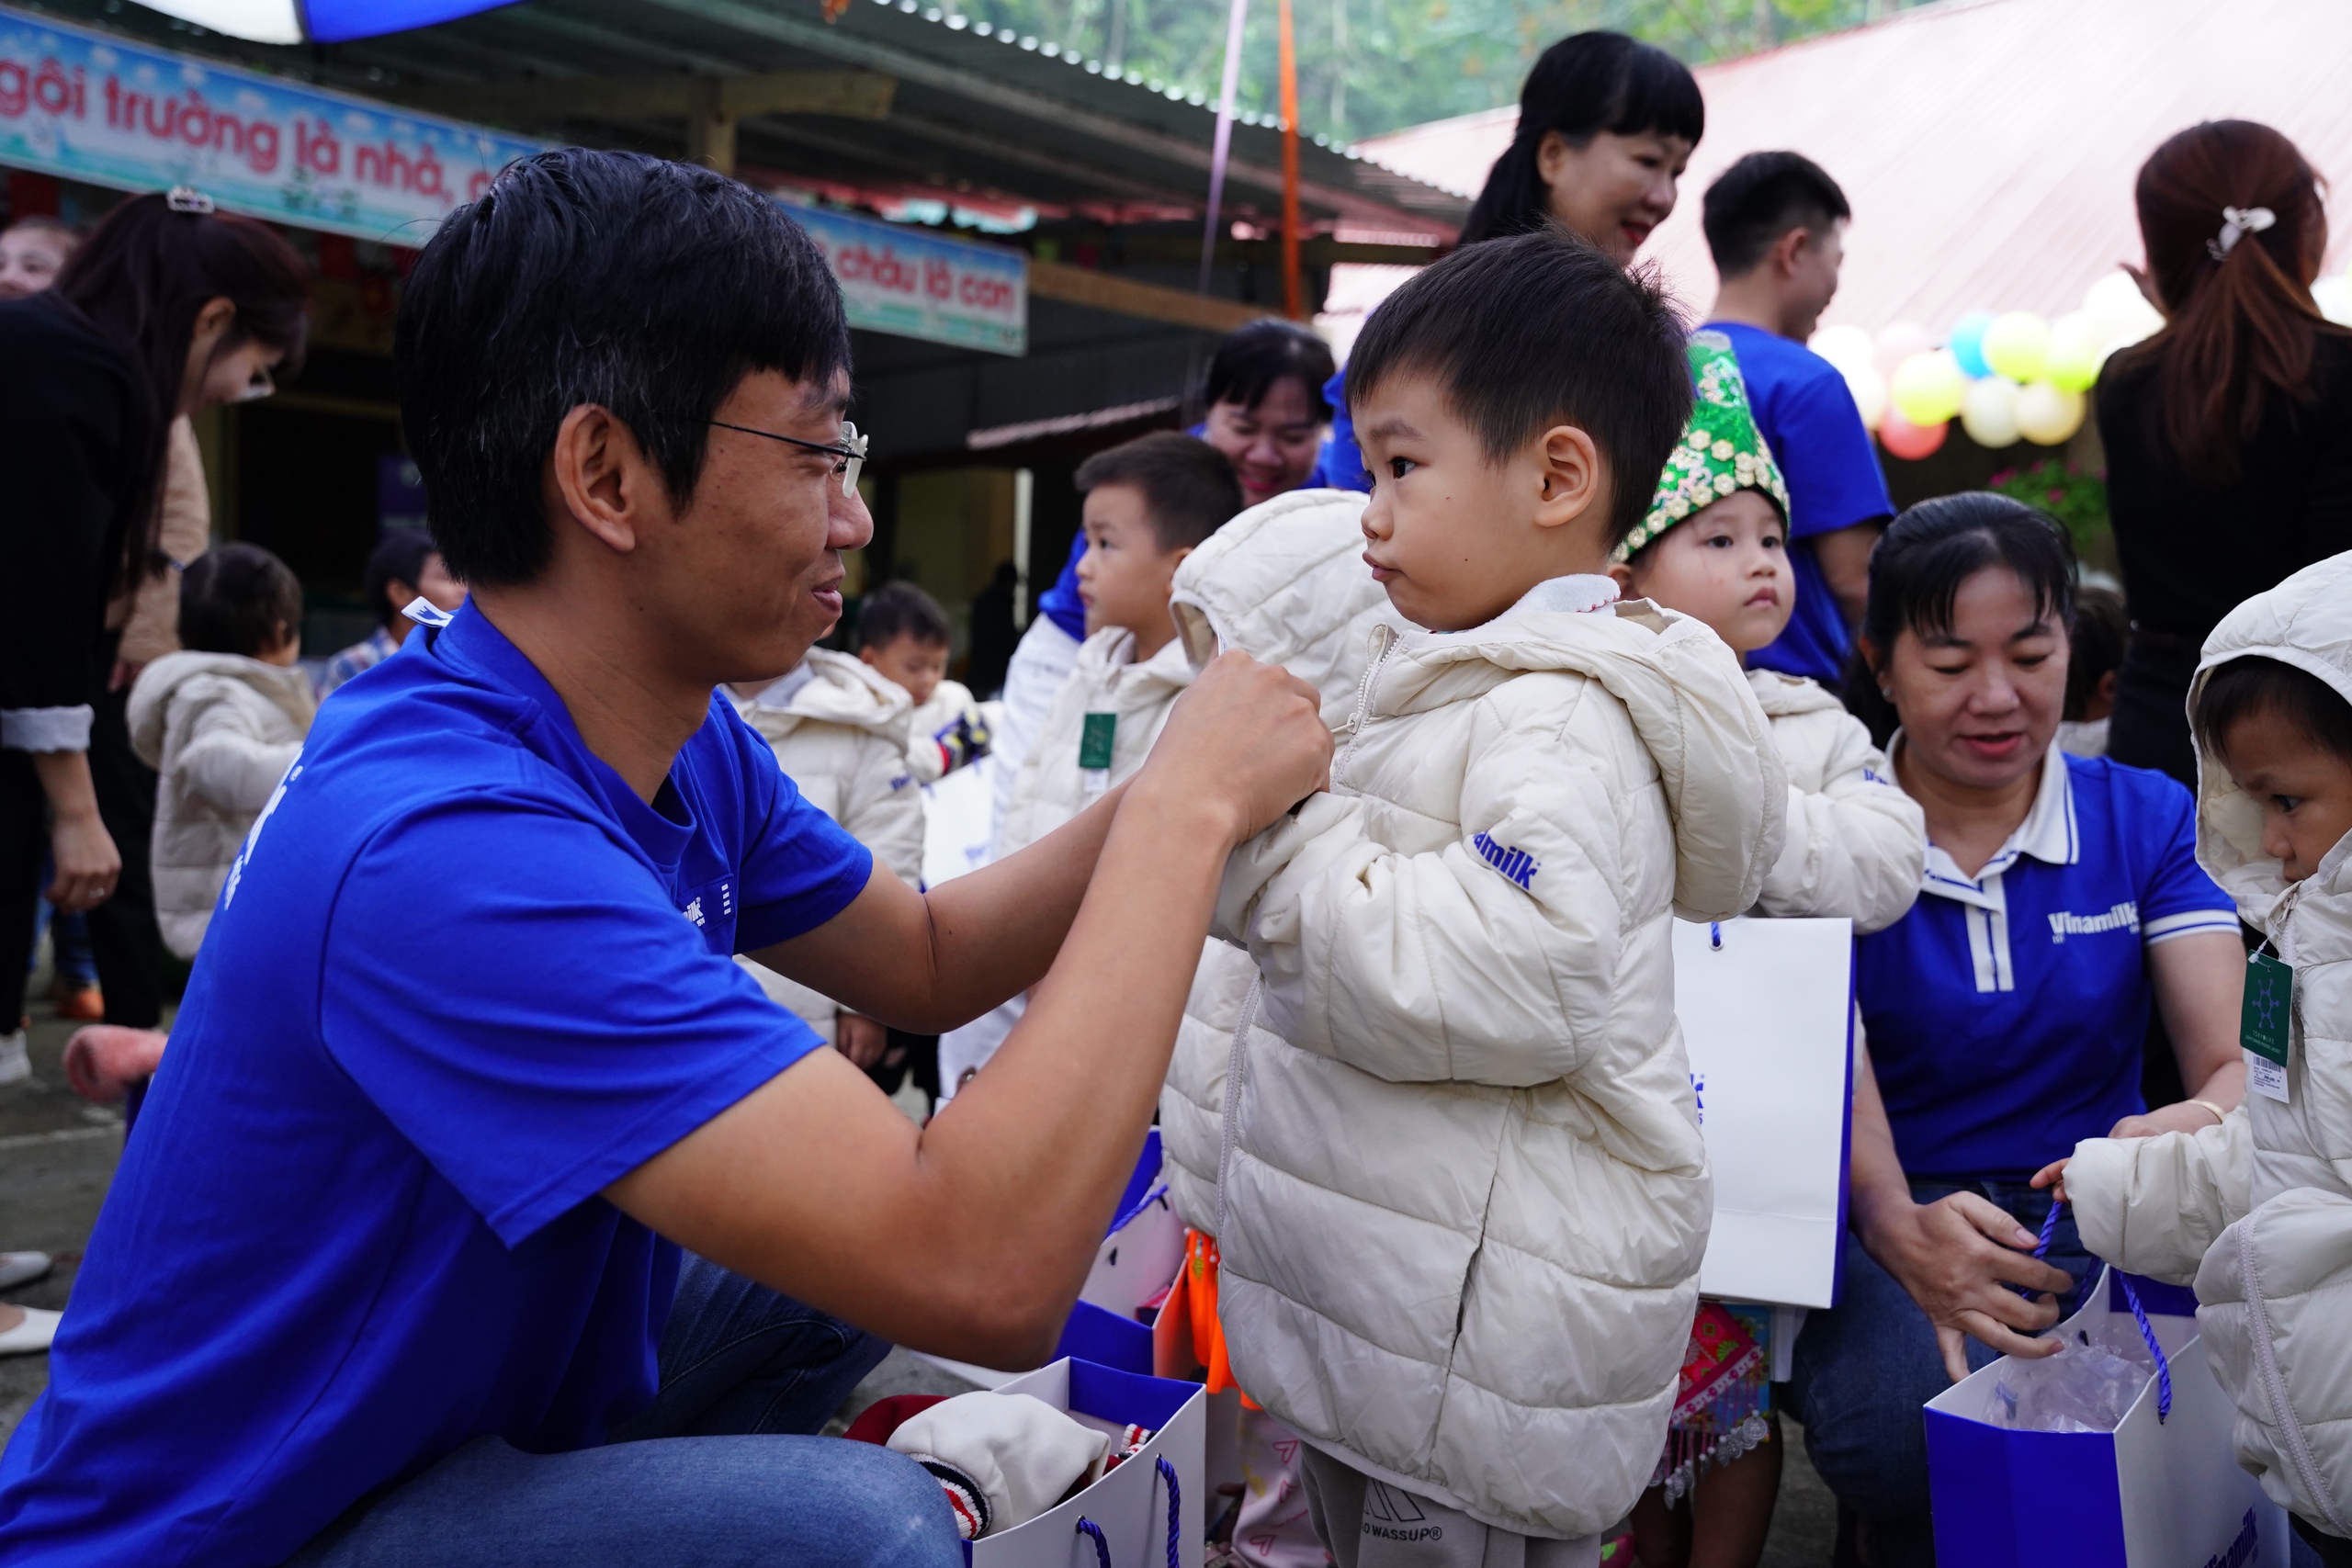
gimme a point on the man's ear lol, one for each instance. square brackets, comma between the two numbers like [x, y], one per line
[1569, 470]
[1788, 252]
[599, 480]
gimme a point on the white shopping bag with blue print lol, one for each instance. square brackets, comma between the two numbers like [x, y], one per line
[1146, 1513]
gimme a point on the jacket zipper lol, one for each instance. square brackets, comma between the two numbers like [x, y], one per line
[1383, 639]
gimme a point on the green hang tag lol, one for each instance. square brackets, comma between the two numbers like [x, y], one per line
[2269, 1003]
[1094, 742]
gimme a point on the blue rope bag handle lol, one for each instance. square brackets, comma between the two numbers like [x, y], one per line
[2138, 1315]
[1093, 1531]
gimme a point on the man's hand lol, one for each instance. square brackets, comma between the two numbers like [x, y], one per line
[860, 1038]
[1238, 738]
[1957, 1258]
[2053, 1175]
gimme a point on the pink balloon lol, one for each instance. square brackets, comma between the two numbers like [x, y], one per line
[1906, 440]
[1899, 341]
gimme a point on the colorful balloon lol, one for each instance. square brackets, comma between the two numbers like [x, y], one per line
[2120, 310]
[1989, 413]
[1909, 441]
[1966, 341]
[1869, 393]
[1927, 387]
[1843, 345]
[2334, 298]
[2049, 415]
[2018, 345]
[2077, 351]
[1898, 343]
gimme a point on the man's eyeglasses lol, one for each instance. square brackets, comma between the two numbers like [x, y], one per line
[850, 451]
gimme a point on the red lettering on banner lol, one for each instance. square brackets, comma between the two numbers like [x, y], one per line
[316, 149]
[939, 278]
[16, 89]
[984, 293]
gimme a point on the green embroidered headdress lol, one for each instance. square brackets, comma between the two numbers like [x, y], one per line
[1721, 451]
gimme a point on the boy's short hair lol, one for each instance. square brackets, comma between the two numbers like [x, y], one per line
[234, 599]
[1189, 490]
[1254, 357]
[900, 609]
[2102, 629]
[1539, 330]
[651, 288]
[398, 557]
[1761, 197]
[2250, 686]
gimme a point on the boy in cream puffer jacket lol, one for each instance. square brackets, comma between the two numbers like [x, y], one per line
[839, 731]
[1149, 503]
[2257, 1210]
[221, 722]
[1465, 1198]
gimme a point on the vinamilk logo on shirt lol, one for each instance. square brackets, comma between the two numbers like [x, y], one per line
[2123, 916]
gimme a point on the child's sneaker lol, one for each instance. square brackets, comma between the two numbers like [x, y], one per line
[15, 1066]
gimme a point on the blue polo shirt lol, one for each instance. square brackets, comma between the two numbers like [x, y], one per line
[2006, 1012]
[1808, 418]
[460, 979]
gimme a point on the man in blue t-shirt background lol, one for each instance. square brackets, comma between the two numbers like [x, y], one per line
[484, 1211]
[1774, 223]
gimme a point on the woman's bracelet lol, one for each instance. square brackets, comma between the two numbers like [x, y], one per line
[2219, 1114]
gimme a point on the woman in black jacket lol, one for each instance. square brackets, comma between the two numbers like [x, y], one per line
[167, 308]
[2228, 433]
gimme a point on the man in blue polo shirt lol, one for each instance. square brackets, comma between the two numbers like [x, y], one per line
[1773, 224]
[394, 1255]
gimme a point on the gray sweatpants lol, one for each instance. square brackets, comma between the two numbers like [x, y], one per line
[1370, 1524]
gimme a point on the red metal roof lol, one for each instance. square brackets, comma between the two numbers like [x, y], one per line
[1988, 146]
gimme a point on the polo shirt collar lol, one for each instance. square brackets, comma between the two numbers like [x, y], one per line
[2049, 834]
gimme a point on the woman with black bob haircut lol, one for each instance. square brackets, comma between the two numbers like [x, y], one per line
[167, 308]
[2005, 1015]
[1605, 127]
[1265, 406]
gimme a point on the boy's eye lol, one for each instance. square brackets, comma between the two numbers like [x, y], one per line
[1399, 466]
[2287, 803]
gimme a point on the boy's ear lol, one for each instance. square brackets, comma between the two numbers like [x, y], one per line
[1622, 575]
[1572, 476]
[865, 656]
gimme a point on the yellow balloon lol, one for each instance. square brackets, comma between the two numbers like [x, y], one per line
[1927, 387]
[2076, 351]
[2047, 416]
[2018, 345]
[1989, 413]
[1869, 393]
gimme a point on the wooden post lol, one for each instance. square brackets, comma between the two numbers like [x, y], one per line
[710, 128]
[1294, 290]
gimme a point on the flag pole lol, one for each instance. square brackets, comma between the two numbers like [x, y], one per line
[1293, 292]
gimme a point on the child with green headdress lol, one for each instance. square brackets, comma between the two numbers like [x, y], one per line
[1714, 546]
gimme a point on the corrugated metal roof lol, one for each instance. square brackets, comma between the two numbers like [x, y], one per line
[1988, 147]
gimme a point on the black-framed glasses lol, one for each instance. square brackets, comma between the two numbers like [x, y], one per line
[850, 449]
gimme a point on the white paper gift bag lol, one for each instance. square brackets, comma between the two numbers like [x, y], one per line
[1144, 1514]
[1767, 1013]
[1146, 1245]
[2162, 1489]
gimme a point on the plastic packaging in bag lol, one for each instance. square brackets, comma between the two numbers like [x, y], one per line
[2086, 1386]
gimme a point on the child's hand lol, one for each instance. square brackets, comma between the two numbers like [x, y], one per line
[2053, 1175]
[860, 1038]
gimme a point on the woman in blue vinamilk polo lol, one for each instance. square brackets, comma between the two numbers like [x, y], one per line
[2005, 1015]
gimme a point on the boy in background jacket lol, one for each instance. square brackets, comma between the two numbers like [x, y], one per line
[1149, 503]
[2256, 1210]
[903, 637]
[1465, 1198]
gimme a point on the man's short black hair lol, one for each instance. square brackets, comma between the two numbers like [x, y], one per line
[1761, 197]
[900, 609]
[650, 289]
[1188, 488]
[2251, 686]
[1539, 330]
[238, 599]
[398, 557]
[1253, 358]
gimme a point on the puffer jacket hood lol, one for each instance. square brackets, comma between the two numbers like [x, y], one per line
[829, 688]
[1466, 1198]
[221, 729]
[2256, 1210]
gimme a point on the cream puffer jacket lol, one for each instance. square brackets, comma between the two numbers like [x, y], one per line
[839, 730]
[1465, 1197]
[221, 729]
[1857, 844]
[950, 701]
[2258, 1210]
[1052, 788]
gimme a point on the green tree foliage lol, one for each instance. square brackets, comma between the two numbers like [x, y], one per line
[1369, 66]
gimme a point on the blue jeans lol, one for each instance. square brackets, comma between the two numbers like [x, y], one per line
[720, 1472]
[1864, 1367]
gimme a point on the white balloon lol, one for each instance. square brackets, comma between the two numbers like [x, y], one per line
[1899, 341]
[1869, 393]
[1842, 345]
[2049, 415]
[2333, 297]
[1989, 413]
[2121, 312]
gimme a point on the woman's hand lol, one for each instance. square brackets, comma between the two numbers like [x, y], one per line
[87, 861]
[1957, 1258]
[2053, 1175]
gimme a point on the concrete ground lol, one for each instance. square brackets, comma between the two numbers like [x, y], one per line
[57, 1154]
